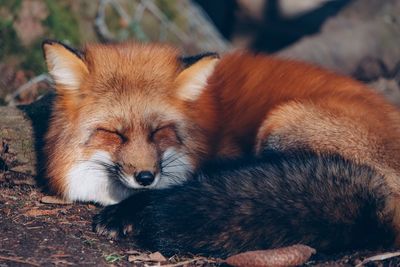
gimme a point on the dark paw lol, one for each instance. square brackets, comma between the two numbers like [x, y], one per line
[112, 222]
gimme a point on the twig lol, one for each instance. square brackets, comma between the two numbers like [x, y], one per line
[380, 257]
[26, 86]
[18, 260]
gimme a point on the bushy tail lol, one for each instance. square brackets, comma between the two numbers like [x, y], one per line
[323, 201]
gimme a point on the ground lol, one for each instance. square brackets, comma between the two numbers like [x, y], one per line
[34, 233]
[38, 231]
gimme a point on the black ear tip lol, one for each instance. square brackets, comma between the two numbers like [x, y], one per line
[190, 60]
[50, 42]
[212, 54]
[76, 52]
[44, 43]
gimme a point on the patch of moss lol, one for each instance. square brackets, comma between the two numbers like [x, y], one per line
[9, 42]
[12, 6]
[111, 258]
[61, 22]
[33, 59]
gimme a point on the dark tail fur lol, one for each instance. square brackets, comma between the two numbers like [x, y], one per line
[325, 202]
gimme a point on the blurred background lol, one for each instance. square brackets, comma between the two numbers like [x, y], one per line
[360, 38]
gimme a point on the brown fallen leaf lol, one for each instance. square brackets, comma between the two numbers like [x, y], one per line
[54, 200]
[280, 257]
[141, 257]
[37, 212]
[152, 257]
[157, 256]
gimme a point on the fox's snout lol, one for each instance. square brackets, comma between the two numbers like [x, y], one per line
[143, 176]
[139, 162]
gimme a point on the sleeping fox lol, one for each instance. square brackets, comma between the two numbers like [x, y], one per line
[131, 115]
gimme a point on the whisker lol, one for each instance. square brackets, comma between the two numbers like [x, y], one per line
[170, 159]
[176, 159]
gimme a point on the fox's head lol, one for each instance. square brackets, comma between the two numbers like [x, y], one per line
[122, 118]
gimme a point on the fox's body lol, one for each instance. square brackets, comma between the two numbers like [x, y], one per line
[265, 102]
[126, 111]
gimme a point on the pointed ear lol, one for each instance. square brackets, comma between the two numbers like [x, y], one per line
[65, 65]
[193, 80]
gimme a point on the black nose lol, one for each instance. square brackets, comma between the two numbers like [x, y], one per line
[145, 178]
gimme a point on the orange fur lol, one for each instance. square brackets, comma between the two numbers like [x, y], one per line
[249, 103]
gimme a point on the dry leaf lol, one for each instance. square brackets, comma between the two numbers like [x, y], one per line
[152, 257]
[157, 256]
[141, 257]
[36, 212]
[54, 200]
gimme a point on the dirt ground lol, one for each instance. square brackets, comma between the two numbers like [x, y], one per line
[35, 230]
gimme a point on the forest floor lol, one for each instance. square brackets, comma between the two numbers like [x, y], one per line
[36, 230]
[40, 230]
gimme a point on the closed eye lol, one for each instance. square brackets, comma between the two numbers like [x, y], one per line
[163, 127]
[115, 132]
[165, 135]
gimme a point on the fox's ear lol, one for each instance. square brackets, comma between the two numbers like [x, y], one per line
[65, 65]
[193, 79]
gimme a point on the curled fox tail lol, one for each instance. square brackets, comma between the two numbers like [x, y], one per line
[323, 201]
